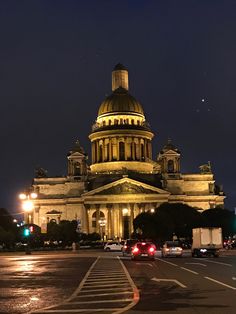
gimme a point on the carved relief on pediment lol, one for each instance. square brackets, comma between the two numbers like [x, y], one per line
[126, 188]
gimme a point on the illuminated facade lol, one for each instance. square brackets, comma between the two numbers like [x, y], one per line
[123, 179]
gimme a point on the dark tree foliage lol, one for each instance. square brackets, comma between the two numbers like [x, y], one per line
[219, 217]
[169, 219]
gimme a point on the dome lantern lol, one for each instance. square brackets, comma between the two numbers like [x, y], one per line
[120, 77]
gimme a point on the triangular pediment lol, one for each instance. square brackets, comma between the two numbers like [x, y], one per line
[126, 186]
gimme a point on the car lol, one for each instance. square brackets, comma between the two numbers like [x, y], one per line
[128, 245]
[113, 246]
[172, 248]
[143, 250]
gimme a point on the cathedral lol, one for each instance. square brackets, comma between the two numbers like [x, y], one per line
[123, 179]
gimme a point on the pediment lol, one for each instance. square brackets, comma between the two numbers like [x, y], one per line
[126, 186]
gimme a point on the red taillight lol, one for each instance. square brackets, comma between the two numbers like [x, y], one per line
[151, 250]
[135, 249]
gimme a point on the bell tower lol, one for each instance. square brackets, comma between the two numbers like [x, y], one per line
[169, 159]
[77, 166]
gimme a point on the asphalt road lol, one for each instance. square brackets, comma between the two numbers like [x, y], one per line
[87, 283]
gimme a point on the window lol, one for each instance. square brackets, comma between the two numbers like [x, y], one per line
[122, 150]
[170, 166]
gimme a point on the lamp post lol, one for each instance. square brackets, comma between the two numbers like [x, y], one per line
[102, 223]
[28, 204]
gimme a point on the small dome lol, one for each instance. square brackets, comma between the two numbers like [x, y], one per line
[119, 66]
[120, 101]
[169, 146]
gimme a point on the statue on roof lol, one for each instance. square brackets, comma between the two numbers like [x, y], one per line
[206, 168]
[40, 172]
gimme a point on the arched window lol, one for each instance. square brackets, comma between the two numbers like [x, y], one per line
[170, 166]
[100, 153]
[94, 216]
[122, 150]
[142, 152]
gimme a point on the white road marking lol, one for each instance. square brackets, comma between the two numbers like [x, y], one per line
[170, 280]
[106, 289]
[136, 296]
[196, 264]
[225, 264]
[160, 259]
[104, 294]
[105, 280]
[191, 271]
[113, 309]
[101, 301]
[145, 264]
[220, 283]
[107, 285]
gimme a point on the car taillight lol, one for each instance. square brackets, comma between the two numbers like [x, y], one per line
[151, 250]
[135, 250]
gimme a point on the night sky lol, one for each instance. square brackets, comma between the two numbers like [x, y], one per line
[56, 59]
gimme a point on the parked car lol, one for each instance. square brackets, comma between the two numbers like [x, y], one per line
[172, 248]
[143, 250]
[128, 245]
[113, 246]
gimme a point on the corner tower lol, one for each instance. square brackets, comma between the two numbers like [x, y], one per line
[121, 137]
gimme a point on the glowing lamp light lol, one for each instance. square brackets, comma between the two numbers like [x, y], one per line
[33, 195]
[152, 210]
[22, 196]
[27, 206]
[125, 211]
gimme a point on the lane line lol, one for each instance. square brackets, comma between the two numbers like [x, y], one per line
[101, 301]
[136, 295]
[106, 289]
[167, 262]
[144, 264]
[225, 264]
[196, 264]
[47, 309]
[220, 283]
[103, 294]
[170, 280]
[81, 310]
[191, 271]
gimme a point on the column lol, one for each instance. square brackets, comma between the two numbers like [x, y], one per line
[131, 218]
[87, 208]
[103, 150]
[109, 222]
[97, 206]
[120, 235]
[117, 149]
[110, 149]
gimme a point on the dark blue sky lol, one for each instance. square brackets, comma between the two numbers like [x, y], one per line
[56, 59]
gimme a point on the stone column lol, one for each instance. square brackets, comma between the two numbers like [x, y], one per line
[120, 235]
[103, 150]
[87, 208]
[97, 218]
[131, 229]
[117, 149]
[109, 221]
[110, 149]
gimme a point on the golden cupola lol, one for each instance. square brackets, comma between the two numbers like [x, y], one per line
[121, 137]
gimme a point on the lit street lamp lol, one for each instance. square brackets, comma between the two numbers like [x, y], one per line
[102, 223]
[28, 204]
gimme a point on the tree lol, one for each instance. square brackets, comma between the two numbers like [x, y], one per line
[220, 217]
[169, 219]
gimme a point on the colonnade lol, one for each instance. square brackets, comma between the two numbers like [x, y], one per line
[114, 215]
[120, 149]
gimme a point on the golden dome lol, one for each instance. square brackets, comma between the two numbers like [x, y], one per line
[120, 101]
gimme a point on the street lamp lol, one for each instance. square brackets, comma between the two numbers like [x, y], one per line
[102, 223]
[28, 204]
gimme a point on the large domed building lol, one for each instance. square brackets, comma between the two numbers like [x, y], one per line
[123, 179]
